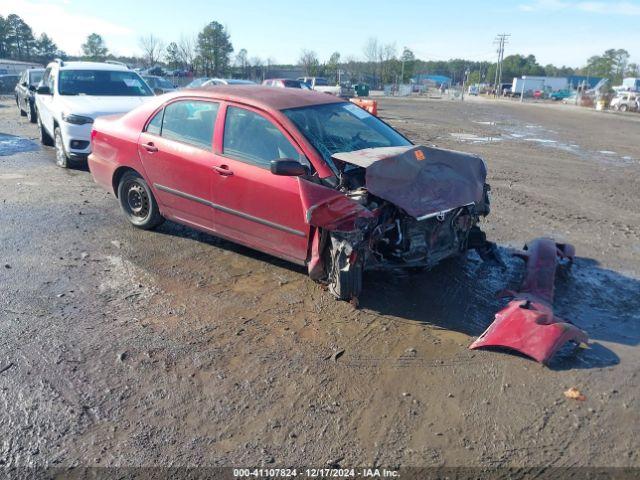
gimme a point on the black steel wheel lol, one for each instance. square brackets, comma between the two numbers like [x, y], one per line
[137, 202]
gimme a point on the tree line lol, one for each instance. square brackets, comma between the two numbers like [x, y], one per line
[210, 53]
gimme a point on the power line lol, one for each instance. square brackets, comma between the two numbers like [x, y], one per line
[501, 40]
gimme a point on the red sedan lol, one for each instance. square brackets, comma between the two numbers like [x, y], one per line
[298, 174]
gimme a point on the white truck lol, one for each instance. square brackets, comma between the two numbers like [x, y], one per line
[321, 84]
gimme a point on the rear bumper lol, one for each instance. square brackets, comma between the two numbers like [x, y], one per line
[102, 172]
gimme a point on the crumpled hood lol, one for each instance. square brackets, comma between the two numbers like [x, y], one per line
[421, 180]
[97, 106]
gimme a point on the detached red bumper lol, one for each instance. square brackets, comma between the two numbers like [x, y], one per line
[527, 324]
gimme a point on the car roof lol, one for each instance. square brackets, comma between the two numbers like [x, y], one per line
[268, 98]
[93, 66]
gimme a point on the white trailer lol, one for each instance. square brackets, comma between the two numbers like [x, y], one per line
[530, 84]
[526, 85]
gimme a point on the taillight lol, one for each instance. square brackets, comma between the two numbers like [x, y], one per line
[93, 134]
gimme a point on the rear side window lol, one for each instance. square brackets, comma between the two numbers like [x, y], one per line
[252, 138]
[155, 125]
[189, 121]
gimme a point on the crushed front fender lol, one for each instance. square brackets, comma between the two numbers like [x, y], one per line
[527, 324]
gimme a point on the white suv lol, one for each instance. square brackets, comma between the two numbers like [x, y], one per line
[72, 94]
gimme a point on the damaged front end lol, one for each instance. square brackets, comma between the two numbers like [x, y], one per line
[397, 207]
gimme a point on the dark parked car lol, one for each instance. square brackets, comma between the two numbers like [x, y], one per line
[159, 85]
[298, 174]
[285, 83]
[8, 82]
[25, 92]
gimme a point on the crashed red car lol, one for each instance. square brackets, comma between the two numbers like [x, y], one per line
[297, 174]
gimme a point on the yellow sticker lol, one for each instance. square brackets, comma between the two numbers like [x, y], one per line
[419, 155]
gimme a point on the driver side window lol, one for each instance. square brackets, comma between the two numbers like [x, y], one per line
[251, 138]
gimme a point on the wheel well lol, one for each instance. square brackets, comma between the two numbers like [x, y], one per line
[117, 175]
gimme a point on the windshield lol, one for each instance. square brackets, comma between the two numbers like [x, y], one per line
[295, 84]
[108, 83]
[343, 127]
[35, 77]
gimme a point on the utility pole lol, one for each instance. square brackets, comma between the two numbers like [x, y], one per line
[501, 40]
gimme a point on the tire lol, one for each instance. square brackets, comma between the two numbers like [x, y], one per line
[138, 203]
[22, 112]
[45, 138]
[343, 279]
[623, 108]
[62, 159]
[31, 113]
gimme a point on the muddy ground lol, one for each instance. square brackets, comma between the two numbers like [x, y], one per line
[128, 348]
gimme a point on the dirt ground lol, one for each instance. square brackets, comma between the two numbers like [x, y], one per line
[172, 348]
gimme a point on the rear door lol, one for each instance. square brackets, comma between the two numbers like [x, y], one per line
[176, 149]
[253, 206]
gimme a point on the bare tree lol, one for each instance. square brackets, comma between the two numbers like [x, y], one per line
[371, 52]
[388, 54]
[187, 51]
[257, 67]
[152, 48]
[309, 62]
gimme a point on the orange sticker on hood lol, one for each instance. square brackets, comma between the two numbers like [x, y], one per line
[419, 155]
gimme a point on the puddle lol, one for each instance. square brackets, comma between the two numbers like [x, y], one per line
[10, 145]
[469, 137]
[515, 131]
[10, 176]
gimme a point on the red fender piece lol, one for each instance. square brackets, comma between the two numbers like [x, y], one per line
[328, 208]
[531, 329]
[527, 323]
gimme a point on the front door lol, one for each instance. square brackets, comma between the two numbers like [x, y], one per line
[252, 205]
[176, 149]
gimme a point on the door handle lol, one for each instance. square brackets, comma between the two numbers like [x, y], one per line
[150, 147]
[223, 170]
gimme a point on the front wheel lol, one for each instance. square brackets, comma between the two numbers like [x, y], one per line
[137, 202]
[62, 160]
[344, 267]
[623, 108]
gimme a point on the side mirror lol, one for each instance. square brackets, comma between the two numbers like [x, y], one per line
[43, 90]
[288, 168]
[32, 88]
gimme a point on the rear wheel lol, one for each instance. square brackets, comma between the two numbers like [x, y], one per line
[344, 268]
[45, 138]
[31, 112]
[22, 112]
[137, 202]
[623, 108]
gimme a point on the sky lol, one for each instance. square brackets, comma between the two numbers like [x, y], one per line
[562, 32]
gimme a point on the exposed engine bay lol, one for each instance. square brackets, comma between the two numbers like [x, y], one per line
[405, 206]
